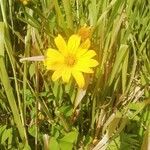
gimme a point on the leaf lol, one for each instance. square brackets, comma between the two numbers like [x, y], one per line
[119, 59]
[124, 72]
[66, 110]
[6, 134]
[32, 70]
[2, 39]
[65, 145]
[53, 144]
[112, 122]
[31, 130]
[80, 94]
[138, 107]
[57, 90]
[146, 139]
[70, 137]
[2, 129]
[11, 97]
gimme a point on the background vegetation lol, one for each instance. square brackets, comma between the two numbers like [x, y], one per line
[112, 113]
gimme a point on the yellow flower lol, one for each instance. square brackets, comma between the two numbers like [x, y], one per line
[71, 59]
[85, 32]
[25, 2]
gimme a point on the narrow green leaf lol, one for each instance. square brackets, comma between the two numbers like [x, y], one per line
[118, 61]
[2, 39]
[124, 72]
[8, 89]
[68, 11]
[146, 140]
[6, 135]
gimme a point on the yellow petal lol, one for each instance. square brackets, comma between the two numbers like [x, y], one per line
[83, 68]
[79, 78]
[86, 44]
[89, 54]
[80, 52]
[53, 54]
[53, 59]
[66, 75]
[88, 62]
[57, 74]
[93, 63]
[86, 70]
[61, 44]
[73, 43]
[83, 48]
[52, 65]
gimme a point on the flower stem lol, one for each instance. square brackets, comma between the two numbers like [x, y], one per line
[36, 105]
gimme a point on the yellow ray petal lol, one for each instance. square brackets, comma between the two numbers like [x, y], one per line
[66, 75]
[53, 54]
[73, 43]
[89, 54]
[80, 52]
[57, 74]
[93, 63]
[53, 59]
[52, 65]
[88, 62]
[79, 78]
[83, 68]
[86, 44]
[61, 44]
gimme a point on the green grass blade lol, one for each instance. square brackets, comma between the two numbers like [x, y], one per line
[8, 89]
[119, 59]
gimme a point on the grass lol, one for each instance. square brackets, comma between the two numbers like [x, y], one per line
[111, 113]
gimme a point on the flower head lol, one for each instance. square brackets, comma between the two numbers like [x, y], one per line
[71, 59]
[25, 2]
[85, 32]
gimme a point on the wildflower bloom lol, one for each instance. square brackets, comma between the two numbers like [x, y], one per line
[71, 59]
[85, 32]
[25, 2]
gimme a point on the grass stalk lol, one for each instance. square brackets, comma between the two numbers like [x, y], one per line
[36, 105]
[69, 18]
[59, 14]
[9, 92]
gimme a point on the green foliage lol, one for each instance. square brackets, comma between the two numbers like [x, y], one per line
[112, 112]
[65, 142]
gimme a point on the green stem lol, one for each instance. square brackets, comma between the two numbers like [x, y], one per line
[27, 49]
[36, 105]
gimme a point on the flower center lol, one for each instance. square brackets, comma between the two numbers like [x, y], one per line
[70, 60]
